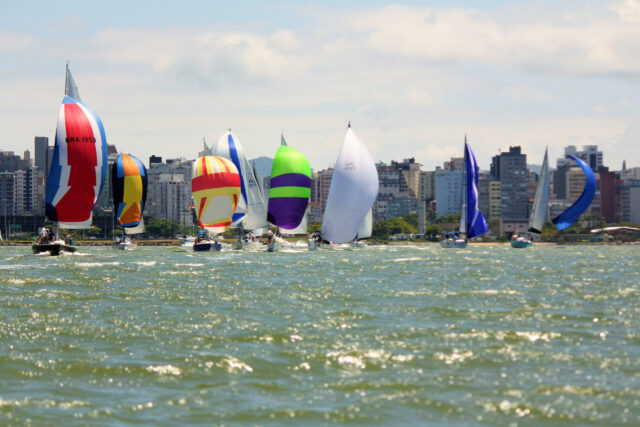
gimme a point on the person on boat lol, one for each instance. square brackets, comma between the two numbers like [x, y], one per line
[42, 234]
[514, 236]
[117, 240]
[269, 236]
[51, 237]
[68, 240]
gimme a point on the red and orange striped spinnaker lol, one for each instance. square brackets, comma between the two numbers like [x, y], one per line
[215, 187]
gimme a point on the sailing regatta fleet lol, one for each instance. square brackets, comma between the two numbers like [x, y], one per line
[226, 190]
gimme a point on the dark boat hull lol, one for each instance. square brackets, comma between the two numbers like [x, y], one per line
[207, 246]
[52, 248]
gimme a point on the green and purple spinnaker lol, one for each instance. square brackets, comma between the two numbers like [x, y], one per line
[290, 188]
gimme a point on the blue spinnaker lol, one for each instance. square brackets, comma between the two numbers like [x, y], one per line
[568, 217]
[476, 224]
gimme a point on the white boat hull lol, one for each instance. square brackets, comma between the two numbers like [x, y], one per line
[126, 246]
[458, 243]
[521, 242]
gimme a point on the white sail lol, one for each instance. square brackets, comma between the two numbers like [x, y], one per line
[300, 229]
[539, 210]
[353, 190]
[138, 229]
[252, 209]
[70, 88]
[364, 232]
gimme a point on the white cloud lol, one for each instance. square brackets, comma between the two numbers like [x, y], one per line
[12, 42]
[412, 80]
[576, 42]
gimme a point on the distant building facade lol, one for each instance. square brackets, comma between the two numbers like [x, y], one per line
[448, 192]
[169, 190]
[511, 170]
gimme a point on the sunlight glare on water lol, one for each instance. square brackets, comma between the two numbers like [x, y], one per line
[388, 334]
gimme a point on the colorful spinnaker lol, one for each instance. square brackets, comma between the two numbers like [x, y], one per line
[353, 190]
[215, 187]
[571, 215]
[79, 163]
[129, 185]
[252, 209]
[290, 187]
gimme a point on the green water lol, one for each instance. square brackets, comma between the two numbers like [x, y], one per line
[383, 335]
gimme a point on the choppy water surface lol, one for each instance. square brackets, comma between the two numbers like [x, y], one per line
[383, 335]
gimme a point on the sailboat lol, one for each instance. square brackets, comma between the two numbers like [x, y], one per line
[352, 192]
[129, 188]
[566, 218]
[251, 213]
[289, 191]
[539, 210]
[215, 186]
[78, 168]
[472, 223]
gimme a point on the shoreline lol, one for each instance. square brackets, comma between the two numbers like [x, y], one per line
[175, 242]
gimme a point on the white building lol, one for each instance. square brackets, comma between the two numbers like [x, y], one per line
[448, 192]
[169, 190]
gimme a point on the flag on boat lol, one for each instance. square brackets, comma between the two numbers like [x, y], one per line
[129, 187]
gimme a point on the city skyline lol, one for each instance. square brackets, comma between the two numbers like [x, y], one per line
[412, 79]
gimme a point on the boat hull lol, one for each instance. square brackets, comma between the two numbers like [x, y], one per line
[521, 243]
[207, 246]
[241, 245]
[459, 243]
[128, 246]
[53, 248]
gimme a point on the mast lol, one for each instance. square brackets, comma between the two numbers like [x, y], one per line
[463, 202]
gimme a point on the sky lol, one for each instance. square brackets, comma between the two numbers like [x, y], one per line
[412, 77]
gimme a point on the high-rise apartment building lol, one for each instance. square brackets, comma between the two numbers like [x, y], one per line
[169, 189]
[511, 170]
[448, 192]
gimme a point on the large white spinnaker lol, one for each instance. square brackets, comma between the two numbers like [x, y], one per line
[353, 190]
